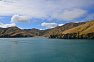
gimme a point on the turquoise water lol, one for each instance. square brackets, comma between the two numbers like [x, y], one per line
[46, 50]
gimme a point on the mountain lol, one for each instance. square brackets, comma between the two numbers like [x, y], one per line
[17, 32]
[81, 30]
[33, 31]
[84, 31]
[60, 29]
[13, 32]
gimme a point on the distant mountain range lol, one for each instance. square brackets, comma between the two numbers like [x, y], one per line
[81, 30]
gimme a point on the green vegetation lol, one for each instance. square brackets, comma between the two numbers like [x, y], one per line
[73, 36]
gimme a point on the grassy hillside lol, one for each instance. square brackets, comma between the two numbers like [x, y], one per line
[88, 27]
[68, 31]
[84, 31]
[60, 29]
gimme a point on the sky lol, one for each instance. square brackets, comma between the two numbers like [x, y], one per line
[44, 14]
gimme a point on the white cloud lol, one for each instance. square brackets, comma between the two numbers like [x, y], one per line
[17, 18]
[7, 25]
[49, 25]
[60, 24]
[41, 8]
[71, 14]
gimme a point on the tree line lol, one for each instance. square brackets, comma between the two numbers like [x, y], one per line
[73, 36]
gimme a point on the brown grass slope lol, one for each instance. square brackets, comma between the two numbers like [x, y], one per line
[88, 27]
[60, 29]
[13, 32]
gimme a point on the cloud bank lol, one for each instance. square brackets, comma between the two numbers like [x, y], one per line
[60, 24]
[72, 14]
[56, 11]
[17, 18]
[44, 8]
[49, 25]
[7, 25]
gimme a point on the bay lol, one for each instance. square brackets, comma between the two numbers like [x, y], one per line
[46, 50]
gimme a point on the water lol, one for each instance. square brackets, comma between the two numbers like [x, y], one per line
[46, 50]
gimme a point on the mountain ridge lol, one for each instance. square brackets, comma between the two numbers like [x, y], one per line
[84, 31]
[66, 31]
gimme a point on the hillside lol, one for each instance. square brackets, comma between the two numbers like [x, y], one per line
[85, 31]
[33, 31]
[13, 32]
[81, 30]
[60, 29]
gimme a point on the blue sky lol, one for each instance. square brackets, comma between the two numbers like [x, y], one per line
[44, 14]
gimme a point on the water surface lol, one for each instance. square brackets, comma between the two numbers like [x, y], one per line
[46, 50]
